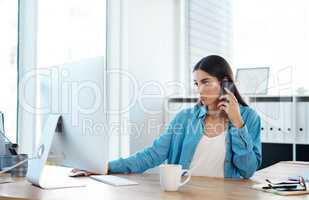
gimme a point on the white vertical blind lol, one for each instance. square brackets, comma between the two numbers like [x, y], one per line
[209, 29]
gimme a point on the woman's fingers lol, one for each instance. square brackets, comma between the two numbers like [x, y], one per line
[88, 173]
[75, 170]
[78, 172]
[223, 106]
[222, 103]
[232, 96]
[224, 97]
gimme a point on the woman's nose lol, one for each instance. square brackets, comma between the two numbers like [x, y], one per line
[200, 89]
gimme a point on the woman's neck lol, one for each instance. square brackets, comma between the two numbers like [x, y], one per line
[214, 111]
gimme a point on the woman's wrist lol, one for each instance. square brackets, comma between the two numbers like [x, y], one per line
[239, 123]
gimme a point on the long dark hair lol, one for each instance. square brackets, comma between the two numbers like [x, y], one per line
[218, 67]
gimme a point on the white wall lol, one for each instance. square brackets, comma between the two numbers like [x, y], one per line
[153, 46]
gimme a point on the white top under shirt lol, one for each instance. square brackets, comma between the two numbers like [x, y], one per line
[209, 156]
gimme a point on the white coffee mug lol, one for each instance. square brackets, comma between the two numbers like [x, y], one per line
[170, 177]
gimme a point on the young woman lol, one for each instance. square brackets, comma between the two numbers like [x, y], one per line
[218, 137]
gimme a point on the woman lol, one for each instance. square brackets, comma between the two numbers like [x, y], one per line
[220, 136]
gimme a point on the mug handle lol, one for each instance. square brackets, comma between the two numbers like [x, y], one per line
[187, 179]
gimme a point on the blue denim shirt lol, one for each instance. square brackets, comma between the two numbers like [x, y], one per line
[178, 143]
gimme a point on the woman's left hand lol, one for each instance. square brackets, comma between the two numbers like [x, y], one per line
[229, 104]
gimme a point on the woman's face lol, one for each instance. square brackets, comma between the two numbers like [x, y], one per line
[207, 86]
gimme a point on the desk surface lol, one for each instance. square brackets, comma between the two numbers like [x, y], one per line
[149, 187]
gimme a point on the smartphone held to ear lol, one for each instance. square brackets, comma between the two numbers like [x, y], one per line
[225, 83]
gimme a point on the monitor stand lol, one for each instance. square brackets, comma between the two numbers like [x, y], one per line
[48, 176]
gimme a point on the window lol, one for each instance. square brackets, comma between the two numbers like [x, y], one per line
[77, 31]
[253, 33]
[70, 30]
[8, 62]
[274, 34]
[209, 30]
[54, 32]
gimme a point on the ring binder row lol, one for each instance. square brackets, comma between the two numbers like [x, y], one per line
[279, 124]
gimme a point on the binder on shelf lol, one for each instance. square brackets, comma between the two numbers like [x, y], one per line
[271, 119]
[264, 131]
[287, 123]
[262, 111]
[255, 107]
[301, 122]
[277, 121]
[307, 123]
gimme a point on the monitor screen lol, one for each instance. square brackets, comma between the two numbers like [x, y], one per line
[1, 122]
[252, 81]
[76, 92]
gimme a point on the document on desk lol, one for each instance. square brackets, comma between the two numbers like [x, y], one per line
[261, 187]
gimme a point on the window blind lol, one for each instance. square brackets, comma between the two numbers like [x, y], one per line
[209, 29]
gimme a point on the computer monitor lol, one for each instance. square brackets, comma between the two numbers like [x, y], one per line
[2, 123]
[77, 91]
[252, 81]
[2, 137]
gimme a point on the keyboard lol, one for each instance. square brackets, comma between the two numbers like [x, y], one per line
[113, 180]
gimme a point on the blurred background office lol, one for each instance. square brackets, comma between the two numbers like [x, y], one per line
[150, 48]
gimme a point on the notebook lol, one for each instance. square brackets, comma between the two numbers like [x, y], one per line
[282, 193]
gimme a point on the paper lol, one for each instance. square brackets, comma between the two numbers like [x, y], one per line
[282, 193]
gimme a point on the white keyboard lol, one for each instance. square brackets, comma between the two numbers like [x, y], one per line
[113, 180]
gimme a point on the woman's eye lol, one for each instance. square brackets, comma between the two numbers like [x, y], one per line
[206, 82]
[195, 84]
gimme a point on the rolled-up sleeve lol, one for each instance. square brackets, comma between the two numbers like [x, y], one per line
[246, 145]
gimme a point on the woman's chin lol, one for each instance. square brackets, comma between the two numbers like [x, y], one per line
[207, 101]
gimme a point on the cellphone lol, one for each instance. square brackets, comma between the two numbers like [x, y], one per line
[225, 83]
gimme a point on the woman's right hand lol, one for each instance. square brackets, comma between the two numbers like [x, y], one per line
[79, 173]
